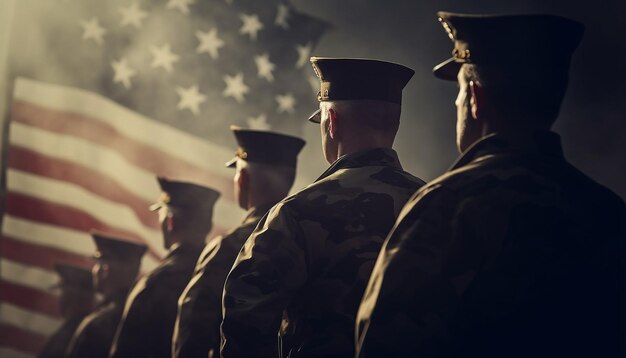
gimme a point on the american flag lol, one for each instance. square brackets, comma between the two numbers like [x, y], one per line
[107, 94]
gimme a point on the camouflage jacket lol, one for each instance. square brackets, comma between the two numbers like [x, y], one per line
[57, 344]
[197, 329]
[512, 253]
[310, 257]
[150, 312]
[94, 335]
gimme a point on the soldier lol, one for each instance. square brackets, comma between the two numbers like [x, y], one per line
[185, 213]
[312, 253]
[513, 252]
[116, 268]
[76, 301]
[265, 170]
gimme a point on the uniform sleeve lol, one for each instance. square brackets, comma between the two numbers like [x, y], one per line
[133, 334]
[200, 306]
[269, 269]
[409, 296]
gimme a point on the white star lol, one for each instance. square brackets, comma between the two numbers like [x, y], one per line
[209, 43]
[92, 30]
[190, 98]
[163, 57]
[235, 87]
[304, 54]
[123, 73]
[286, 103]
[182, 5]
[282, 15]
[132, 15]
[259, 123]
[251, 25]
[264, 67]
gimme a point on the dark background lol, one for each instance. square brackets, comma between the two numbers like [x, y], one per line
[592, 122]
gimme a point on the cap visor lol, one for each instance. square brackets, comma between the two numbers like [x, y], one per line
[447, 70]
[232, 163]
[316, 117]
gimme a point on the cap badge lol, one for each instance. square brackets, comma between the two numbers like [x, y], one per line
[241, 153]
[461, 54]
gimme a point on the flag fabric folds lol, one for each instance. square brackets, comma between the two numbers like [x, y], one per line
[112, 94]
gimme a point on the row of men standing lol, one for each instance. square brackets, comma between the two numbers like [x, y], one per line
[513, 252]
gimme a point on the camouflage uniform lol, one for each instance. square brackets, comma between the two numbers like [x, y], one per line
[94, 335]
[311, 256]
[513, 252]
[199, 317]
[148, 322]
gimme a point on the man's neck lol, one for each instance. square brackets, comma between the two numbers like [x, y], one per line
[350, 147]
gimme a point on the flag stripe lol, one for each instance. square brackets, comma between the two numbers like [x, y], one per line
[68, 194]
[30, 299]
[109, 164]
[20, 340]
[29, 276]
[39, 256]
[38, 233]
[29, 161]
[143, 156]
[187, 148]
[28, 320]
[62, 215]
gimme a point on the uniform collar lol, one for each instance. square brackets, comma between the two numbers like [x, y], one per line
[546, 144]
[386, 157]
[255, 214]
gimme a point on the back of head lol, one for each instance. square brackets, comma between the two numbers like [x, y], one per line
[521, 61]
[368, 116]
[265, 164]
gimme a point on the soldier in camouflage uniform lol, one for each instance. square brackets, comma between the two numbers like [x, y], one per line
[311, 255]
[116, 268]
[185, 213]
[265, 170]
[513, 252]
[76, 301]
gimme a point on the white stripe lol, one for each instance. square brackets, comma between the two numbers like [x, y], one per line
[28, 276]
[28, 320]
[73, 241]
[109, 212]
[33, 232]
[133, 125]
[11, 353]
[89, 155]
[108, 163]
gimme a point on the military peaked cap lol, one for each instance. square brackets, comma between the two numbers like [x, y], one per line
[359, 79]
[117, 248]
[266, 147]
[532, 40]
[185, 195]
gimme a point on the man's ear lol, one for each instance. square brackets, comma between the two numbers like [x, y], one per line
[333, 123]
[244, 178]
[477, 100]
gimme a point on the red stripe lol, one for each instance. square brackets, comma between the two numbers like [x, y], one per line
[143, 156]
[21, 339]
[62, 215]
[29, 161]
[29, 298]
[39, 256]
